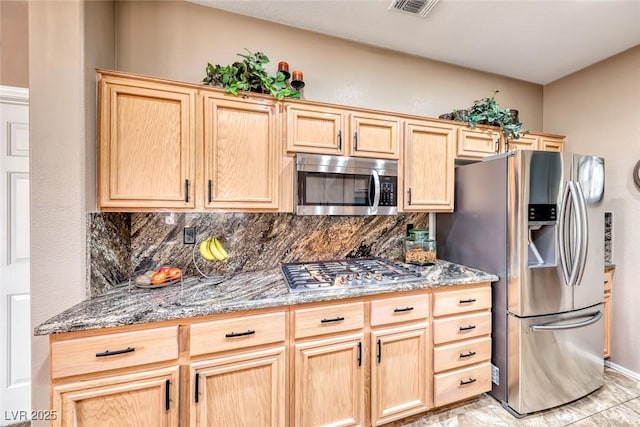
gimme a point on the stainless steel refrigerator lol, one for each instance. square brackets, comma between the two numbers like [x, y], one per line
[534, 219]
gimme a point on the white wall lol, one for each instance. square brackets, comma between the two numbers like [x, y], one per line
[175, 40]
[599, 109]
[62, 139]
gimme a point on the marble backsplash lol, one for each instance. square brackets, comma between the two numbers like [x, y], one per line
[123, 244]
[608, 238]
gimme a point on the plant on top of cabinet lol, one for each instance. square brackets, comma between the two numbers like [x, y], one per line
[250, 75]
[488, 111]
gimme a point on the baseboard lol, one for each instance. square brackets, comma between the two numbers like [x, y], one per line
[622, 370]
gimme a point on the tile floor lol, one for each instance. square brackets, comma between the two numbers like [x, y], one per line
[617, 404]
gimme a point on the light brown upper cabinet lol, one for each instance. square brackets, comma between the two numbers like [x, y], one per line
[374, 135]
[428, 166]
[322, 129]
[536, 141]
[146, 144]
[315, 129]
[551, 143]
[477, 142]
[241, 152]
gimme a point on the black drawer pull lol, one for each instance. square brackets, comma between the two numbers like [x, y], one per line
[466, 328]
[467, 301]
[113, 353]
[167, 395]
[359, 353]
[186, 191]
[468, 354]
[469, 381]
[335, 319]
[400, 310]
[379, 352]
[240, 334]
[210, 190]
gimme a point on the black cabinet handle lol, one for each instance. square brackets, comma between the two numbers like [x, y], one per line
[400, 310]
[469, 381]
[466, 328]
[466, 301]
[167, 395]
[197, 381]
[409, 193]
[379, 352]
[339, 140]
[355, 141]
[113, 353]
[359, 353]
[239, 334]
[497, 144]
[186, 191]
[468, 354]
[335, 319]
[210, 189]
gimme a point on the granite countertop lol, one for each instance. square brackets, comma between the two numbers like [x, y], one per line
[129, 305]
[609, 265]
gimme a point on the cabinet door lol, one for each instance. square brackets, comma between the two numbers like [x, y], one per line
[146, 145]
[374, 135]
[399, 373]
[241, 152]
[240, 390]
[428, 167]
[315, 129]
[525, 142]
[607, 324]
[548, 143]
[329, 382]
[144, 399]
[476, 143]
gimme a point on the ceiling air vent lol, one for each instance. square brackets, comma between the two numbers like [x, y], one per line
[414, 7]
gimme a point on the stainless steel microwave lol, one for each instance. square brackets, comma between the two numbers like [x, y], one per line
[337, 185]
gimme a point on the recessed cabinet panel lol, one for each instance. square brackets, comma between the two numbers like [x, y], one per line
[240, 390]
[147, 143]
[551, 144]
[525, 142]
[428, 167]
[375, 136]
[399, 372]
[241, 154]
[476, 143]
[143, 399]
[315, 129]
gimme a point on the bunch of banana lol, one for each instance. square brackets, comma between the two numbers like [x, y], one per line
[211, 249]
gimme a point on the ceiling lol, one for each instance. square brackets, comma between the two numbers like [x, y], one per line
[533, 40]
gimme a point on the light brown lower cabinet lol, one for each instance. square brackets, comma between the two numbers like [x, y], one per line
[608, 282]
[246, 389]
[365, 361]
[400, 371]
[148, 398]
[329, 381]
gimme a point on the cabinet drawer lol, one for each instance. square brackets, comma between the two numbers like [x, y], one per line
[400, 309]
[461, 327]
[329, 319]
[461, 301]
[113, 351]
[463, 353]
[461, 384]
[238, 332]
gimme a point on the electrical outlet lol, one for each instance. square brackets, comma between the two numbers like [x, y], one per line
[189, 236]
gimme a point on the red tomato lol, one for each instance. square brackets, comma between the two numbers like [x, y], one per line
[174, 274]
[165, 269]
[159, 278]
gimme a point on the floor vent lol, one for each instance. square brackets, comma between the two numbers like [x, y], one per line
[414, 7]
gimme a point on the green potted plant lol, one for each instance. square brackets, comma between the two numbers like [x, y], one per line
[249, 75]
[487, 111]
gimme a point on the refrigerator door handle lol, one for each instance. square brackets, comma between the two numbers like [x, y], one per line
[562, 244]
[582, 232]
[554, 326]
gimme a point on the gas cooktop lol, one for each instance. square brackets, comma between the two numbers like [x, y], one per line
[350, 272]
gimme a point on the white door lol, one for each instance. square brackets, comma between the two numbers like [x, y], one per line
[15, 322]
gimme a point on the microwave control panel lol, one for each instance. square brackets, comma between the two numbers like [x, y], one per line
[388, 191]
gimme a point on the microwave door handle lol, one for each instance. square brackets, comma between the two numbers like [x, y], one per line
[376, 193]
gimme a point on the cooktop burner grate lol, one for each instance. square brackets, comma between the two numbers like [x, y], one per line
[351, 272]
